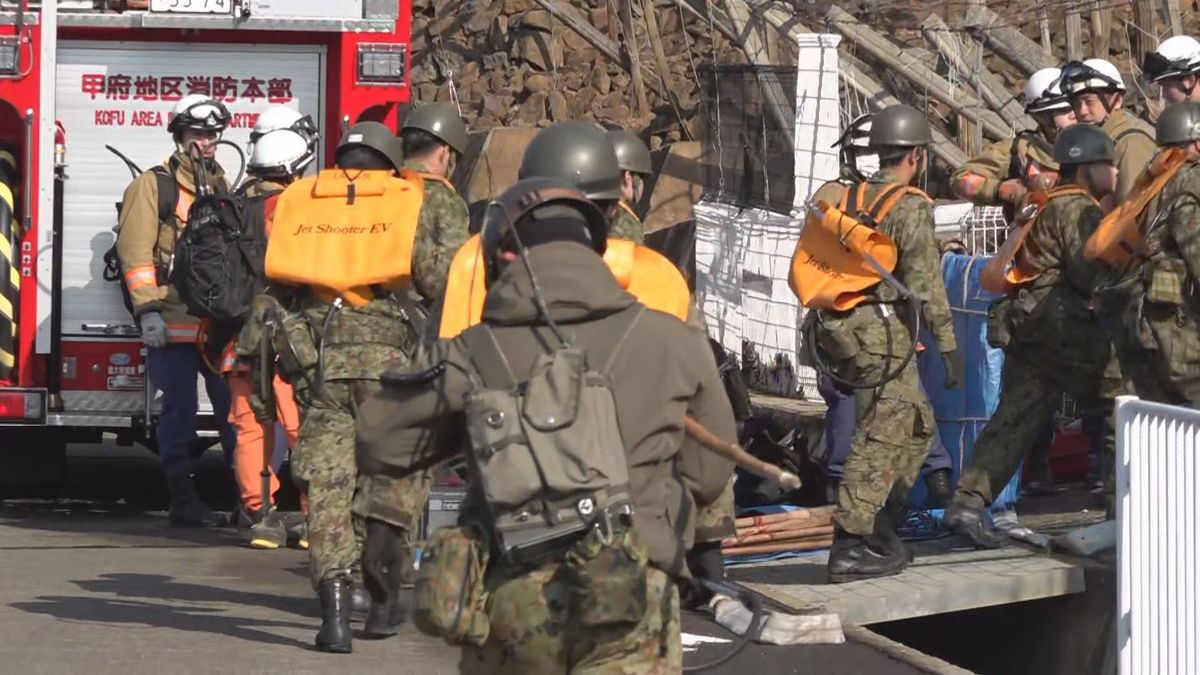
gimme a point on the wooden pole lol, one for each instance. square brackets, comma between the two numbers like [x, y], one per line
[922, 76]
[1146, 19]
[633, 54]
[1044, 27]
[720, 25]
[965, 59]
[660, 58]
[781, 535]
[614, 21]
[1008, 42]
[862, 83]
[1174, 18]
[813, 545]
[1074, 36]
[738, 455]
[1101, 29]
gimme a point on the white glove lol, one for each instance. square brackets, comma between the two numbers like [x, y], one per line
[778, 629]
[154, 330]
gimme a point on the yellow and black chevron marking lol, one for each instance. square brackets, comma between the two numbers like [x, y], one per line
[10, 273]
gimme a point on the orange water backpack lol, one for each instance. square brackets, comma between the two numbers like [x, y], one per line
[342, 232]
[643, 272]
[829, 268]
[1119, 235]
[1004, 273]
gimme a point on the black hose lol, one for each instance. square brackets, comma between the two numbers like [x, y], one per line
[810, 343]
[752, 631]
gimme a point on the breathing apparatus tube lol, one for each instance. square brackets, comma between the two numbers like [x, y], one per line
[752, 632]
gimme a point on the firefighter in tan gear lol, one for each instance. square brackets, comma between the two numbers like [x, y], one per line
[1097, 94]
[1175, 67]
[145, 246]
[1007, 169]
[634, 159]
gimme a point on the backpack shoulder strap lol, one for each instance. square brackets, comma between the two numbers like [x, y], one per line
[1129, 132]
[888, 198]
[168, 189]
[602, 359]
[488, 359]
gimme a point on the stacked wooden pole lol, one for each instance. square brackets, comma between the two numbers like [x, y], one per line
[801, 530]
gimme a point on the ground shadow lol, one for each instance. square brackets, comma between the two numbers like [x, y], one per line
[163, 587]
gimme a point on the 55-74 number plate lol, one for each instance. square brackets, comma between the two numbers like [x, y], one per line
[192, 6]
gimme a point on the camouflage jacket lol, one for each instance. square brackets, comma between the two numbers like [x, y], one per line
[1135, 147]
[416, 420]
[626, 225]
[441, 230]
[1023, 157]
[910, 225]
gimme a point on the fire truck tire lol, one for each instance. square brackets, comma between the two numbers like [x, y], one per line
[33, 463]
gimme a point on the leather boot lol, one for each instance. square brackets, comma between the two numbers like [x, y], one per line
[939, 487]
[334, 636]
[360, 599]
[974, 524]
[888, 537]
[383, 617]
[853, 558]
[187, 509]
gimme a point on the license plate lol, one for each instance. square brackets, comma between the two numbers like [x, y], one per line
[192, 6]
[126, 383]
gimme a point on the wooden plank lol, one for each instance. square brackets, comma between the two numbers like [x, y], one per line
[1143, 37]
[1174, 19]
[660, 59]
[1074, 36]
[963, 56]
[614, 22]
[862, 83]
[1008, 42]
[633, 53]
[922, 76]
[721, 26]
[1101, 16]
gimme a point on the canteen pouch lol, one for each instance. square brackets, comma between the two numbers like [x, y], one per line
[450, 598]
[296, 348]
[607, 581]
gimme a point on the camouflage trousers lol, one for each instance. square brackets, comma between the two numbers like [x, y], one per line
[894, 424]
[324, 464]
[1029, 396]
[533, 630]
[716, 521]
[1170, 373]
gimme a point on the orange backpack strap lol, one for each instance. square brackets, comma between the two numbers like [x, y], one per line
[1119, 235]
[438, 179]
[1003, 273]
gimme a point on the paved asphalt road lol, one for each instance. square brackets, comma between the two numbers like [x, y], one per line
[97, 586]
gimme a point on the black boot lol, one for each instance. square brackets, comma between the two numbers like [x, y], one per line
[853, 558]
[187, 509]
[360, 599]
[887, 536]
[940, 489]
[383, 617]
[974, 524]
[334, 635]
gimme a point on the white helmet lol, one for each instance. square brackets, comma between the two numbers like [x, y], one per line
[1043, 92]
[1091, 75]
[282, 152]
[283, 117]
[197, 111]
[1175, 57]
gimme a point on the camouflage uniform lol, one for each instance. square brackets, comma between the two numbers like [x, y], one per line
[895, 423]
[442, 229]
[627, 225]
[1151, 306]
[1052, 343]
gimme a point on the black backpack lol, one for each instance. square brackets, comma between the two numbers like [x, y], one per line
[218, 266]
[168, 195]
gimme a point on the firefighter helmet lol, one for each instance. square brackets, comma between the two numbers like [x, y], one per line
[1043, 92]
[1092, 75]
[1175, 57]
[199, 112]
[281, 152]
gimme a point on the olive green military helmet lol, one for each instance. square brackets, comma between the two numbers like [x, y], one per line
[899, 126]
[377, 137]
[441, 121]
[1178, 123]
[577, 152]
[632, 153]
[1083, 144]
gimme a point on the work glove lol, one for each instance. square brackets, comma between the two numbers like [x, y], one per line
[383, 558]
[954, 368]
[1012, 191]
[154, 330]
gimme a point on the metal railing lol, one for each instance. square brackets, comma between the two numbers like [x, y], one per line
[1158, 513]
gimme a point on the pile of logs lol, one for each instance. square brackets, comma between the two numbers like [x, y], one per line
[800, 530]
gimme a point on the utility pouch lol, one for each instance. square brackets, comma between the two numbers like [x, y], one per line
[450, 597]
[296, 348]
[607, 581]
[835, 338]
[999, 332]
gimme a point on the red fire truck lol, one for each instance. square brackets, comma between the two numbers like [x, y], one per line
[78, 76]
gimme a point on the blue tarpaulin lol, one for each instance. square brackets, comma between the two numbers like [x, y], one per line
[962, 413]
